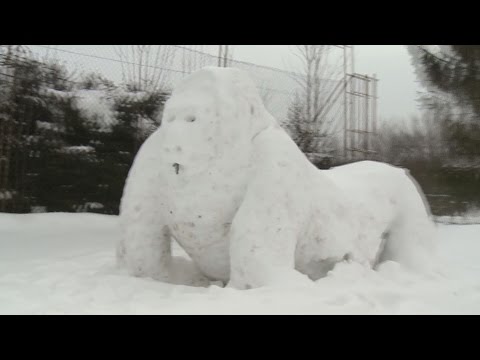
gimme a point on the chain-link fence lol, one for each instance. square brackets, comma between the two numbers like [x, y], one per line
[163, 66]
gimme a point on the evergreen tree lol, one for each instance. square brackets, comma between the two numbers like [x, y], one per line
[60, 155]
[454, 70]
[137, 116]
[451, 74]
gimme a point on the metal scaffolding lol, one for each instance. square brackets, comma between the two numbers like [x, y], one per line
[361, 117]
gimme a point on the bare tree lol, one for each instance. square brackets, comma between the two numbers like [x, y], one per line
[421, 139]
[315, 95]
[146, 67]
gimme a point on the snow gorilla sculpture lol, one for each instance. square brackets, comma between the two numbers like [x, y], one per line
[225, 181]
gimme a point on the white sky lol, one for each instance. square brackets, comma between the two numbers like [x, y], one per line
[397, 87]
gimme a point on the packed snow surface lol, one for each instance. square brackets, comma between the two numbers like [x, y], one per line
[63, 264]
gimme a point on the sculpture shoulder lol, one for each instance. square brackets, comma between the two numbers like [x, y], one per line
[273, 143]
[277, 160]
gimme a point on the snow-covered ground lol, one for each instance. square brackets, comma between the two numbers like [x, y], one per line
[65, 264]
[469, 218]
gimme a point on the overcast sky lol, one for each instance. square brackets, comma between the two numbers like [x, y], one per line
[397, 87]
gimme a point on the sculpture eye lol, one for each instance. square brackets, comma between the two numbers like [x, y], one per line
[190, 118]
[171, 118]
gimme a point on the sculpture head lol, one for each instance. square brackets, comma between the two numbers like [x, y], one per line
[214, 112]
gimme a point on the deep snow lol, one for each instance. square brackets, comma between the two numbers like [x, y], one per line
[63, 264]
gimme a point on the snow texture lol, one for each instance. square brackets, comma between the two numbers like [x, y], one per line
[5, 194]
[469, 218]
[61, 263]
[226, 182]
[77, 149]
[96, 105]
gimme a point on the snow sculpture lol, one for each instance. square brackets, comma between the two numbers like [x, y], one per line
[226, 182]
